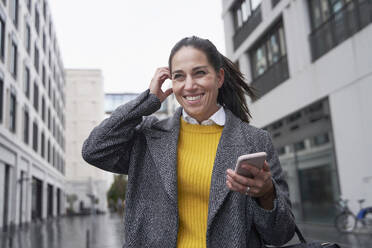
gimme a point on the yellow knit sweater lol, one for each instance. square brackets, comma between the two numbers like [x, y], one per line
[197, 146]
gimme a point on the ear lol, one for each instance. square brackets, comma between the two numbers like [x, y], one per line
[220, 77]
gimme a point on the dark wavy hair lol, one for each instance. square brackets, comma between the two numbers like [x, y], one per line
[231, 94]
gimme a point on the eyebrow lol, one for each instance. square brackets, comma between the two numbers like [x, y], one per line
[193, 69]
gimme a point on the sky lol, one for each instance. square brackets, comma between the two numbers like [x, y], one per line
[128, 40]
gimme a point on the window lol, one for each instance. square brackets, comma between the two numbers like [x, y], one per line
[43, 75]
[13, 112]
[48, 151]
[26, 123]
[37, 20]
[44, 9]
[36, 58]
[294, 117]
[28, 2]
[321, 139]
[36, 97]
[299, 146]
[333, 21]
[28, 38]
[54, 157]
[1, 99]
[2, 39]
[54, 127]
[44, 42]
[277, 125]
[49, 119]
[54, 99]
[50, 59]
[268, 51]
[268, 59]
[320, 12]
[43, 108]
[243, 10]
[13, 59]
[274, 3]
[14, 12]
[49, 88]
[281, 150]
[50, 29]
[35, 136]
[26, 82]
[42, 152]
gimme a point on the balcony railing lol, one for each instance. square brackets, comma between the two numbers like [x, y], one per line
[248, 26]
[340, 26]
[274, 76]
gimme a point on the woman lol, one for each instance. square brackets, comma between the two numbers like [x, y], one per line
[182, 190]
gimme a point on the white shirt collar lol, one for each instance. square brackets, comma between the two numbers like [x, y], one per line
[218, 118]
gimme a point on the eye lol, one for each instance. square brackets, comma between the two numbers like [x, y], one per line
[200, 73]
[177, 76]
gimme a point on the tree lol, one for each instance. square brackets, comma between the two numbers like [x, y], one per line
[117, 191]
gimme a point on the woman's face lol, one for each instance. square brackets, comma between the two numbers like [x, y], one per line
[195, 83]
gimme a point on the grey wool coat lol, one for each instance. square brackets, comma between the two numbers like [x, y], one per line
[145, 148]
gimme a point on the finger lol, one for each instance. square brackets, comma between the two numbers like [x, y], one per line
[242, 180]
[266, 166]
[251, 169]
[236, 186]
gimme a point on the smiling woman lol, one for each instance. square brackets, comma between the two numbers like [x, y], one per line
[195, 83]
[182, 190]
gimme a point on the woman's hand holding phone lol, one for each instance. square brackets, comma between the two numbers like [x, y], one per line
[255, 183]
[161, 74]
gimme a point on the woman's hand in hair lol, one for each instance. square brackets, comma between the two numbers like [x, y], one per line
[157, 81]
[260, 186]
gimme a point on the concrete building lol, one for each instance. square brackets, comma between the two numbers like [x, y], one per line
[311, 63]
[85, 108]
[32, 115]
[114, 100]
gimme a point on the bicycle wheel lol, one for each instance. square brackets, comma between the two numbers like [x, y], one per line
[345, 222]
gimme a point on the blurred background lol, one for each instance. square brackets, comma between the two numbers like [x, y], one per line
[66, 65]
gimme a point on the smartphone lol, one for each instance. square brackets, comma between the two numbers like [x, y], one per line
[255, 159]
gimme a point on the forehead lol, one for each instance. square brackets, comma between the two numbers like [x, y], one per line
[187, 58]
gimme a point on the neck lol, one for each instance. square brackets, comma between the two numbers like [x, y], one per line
[205, 116]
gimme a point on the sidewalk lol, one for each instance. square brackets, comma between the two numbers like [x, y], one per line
[358, 239]
[99, 231]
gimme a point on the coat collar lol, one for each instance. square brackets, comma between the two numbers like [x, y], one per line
[163, 139]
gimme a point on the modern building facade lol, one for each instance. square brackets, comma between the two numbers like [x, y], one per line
[32, 114]
[311, 64]
[114, 100]
[85, 108]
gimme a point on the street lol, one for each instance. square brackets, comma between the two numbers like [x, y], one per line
[106, 231]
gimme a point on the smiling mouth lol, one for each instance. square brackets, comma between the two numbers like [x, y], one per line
[193, 98]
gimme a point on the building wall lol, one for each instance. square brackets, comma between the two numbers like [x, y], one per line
[342, 76]
[14, 152]
[85, 108]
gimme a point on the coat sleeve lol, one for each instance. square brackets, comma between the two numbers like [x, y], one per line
[276, 226]
[109, 144]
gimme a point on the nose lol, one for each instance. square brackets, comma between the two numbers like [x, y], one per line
[189, 83]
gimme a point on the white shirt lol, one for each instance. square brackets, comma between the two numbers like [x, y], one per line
[218, 118]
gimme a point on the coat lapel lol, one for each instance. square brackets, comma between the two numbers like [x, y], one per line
[162, 141]
[232, 144]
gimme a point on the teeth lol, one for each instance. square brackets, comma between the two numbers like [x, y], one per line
[193, 98]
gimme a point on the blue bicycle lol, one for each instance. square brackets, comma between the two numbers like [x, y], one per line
[347, 221]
